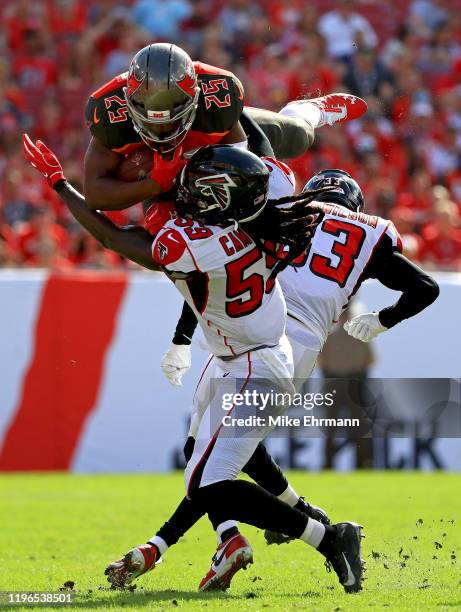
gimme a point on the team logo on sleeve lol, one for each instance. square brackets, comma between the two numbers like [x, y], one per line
[168, 248]
[162, 251]
[217, 187]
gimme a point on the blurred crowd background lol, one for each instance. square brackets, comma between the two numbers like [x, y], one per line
[402, 56]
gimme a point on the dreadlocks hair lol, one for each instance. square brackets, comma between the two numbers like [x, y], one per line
[292, 227]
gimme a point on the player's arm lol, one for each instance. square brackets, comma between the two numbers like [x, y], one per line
[105, 192]
[418, 289]
[398, 273]
[134, 243]
[171, 251]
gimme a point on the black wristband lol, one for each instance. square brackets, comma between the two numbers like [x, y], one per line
[386, 317]
[60, 185]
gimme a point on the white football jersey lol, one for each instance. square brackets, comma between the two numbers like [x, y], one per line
[226, 280]
[341, 248]
[282, 181]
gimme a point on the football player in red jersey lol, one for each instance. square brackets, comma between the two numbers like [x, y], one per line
[174, 106]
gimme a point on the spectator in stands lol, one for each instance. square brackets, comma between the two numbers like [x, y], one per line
[412, 242]
[56, 52]
[119, 58]
[33, 67]
[161, 19]
[429, 13]
[87, 252]
[8, 255]
[366, 73]
[236, 18]
[41, 238]
[403, 45]
[344, 30]
[442, 237]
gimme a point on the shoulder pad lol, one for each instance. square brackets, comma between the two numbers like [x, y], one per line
[394, 235]
[169, 249]
[220, 101]
[107, 116]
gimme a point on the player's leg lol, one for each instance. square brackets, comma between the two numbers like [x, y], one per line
[261, 467]
[289, 136]
[306, 349]
[291, 131]
[210, 480]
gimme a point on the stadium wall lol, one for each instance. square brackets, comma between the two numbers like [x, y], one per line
[81, 388]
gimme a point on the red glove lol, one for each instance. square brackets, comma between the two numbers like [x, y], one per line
[42, 158]
[165, 171]
[157, 215]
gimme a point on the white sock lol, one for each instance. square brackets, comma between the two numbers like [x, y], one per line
[289, 496]
[222, 527]
[314, 532]
[304, 110]
[160, 544]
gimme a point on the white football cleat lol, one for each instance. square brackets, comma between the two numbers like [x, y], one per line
[232, 555]
[337, 107]
[136, 562]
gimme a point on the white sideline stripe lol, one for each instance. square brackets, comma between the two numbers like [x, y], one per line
[20, 297]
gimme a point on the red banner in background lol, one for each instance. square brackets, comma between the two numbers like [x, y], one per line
[73, 332]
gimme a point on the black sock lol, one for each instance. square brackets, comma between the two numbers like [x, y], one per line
[246, 502]
[264, 471]
[300, 504]
[185, 516]
[324, 546]
[229, 533]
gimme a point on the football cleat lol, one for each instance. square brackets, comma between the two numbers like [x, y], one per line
[232, 555]
[337, 107]
[343, 556]
[272, 537]
[136, 562]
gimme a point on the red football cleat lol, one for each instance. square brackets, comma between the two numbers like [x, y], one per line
[136, 562]
[232, 555]
[338, 107]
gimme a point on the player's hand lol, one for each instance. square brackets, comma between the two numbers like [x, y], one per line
[364, 327]
[176, 362]
[42, 158]
[164, 171]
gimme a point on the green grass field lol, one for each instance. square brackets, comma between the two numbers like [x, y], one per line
[56, 528]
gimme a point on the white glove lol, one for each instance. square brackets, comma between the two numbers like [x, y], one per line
[176, 362]
[364, 327]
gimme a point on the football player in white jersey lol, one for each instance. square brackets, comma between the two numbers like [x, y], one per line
[347, 248]
[216, 252]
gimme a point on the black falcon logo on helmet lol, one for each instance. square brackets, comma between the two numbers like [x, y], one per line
[217, 187]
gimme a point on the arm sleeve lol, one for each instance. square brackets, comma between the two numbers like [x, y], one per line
[186, 326]
[258, 143]
[418, 289]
